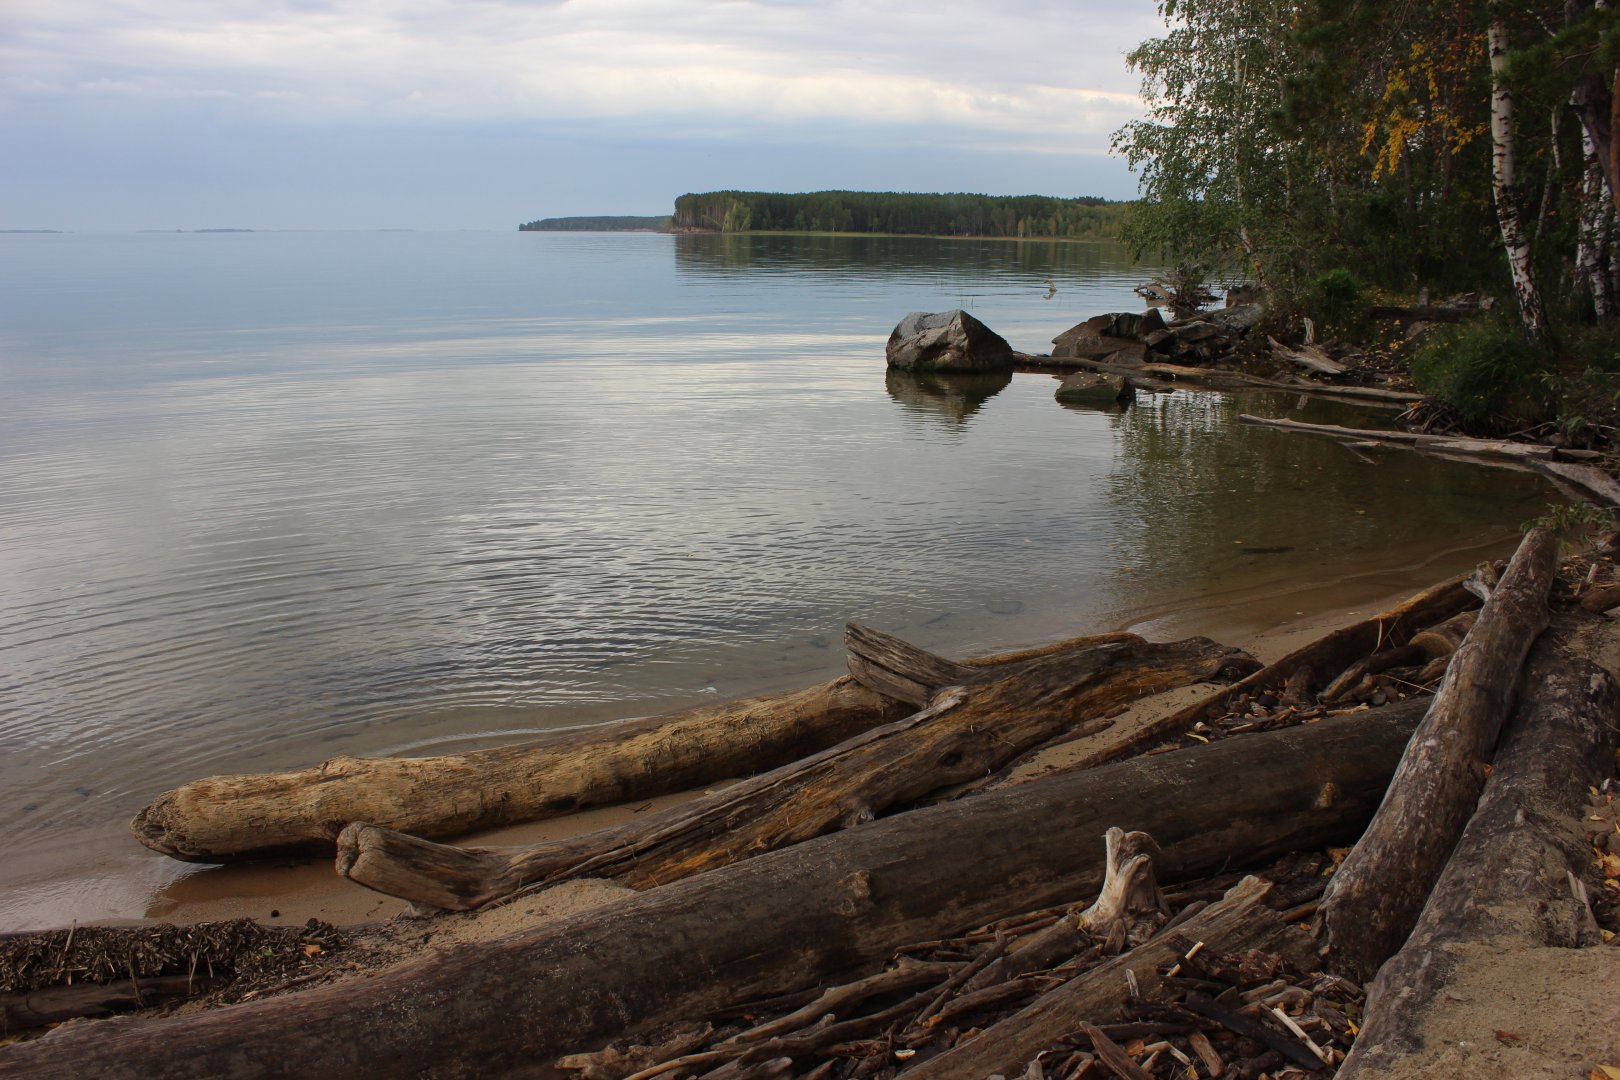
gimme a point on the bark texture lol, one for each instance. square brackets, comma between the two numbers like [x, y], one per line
[983, 718]
[1507, 884]
[1373, 902]
[230, 817]
[768, 925]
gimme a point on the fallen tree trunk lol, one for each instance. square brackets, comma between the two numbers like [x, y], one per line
[1238, 922]
[1556, 463]
[771, 924]
[1508, 883]
[977, 719]
[229, 817]
[1240, 380]
[1374, 899]
[1310, 666]
[1451, 444]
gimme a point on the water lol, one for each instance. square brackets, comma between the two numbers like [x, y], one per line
[266, 498]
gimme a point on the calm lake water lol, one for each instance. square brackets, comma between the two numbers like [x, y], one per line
[266, 498]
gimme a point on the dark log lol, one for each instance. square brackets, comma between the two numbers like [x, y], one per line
[1423, 313]
[1237, 922]
[231, 817]
[56, 1004]
[1507, 884]
[1373, 901]
[987, 717]
[1323, 656]
[768, 925]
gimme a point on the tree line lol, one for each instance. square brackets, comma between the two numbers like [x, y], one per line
[954, 214]
[599, 223]
[1343, 147]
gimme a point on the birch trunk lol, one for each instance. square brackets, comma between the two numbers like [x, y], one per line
[1508, 215]
[1591, 253]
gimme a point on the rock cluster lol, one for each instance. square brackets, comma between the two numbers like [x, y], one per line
[1128, 338]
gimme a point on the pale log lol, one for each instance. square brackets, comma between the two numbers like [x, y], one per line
[231, 817]
[1373, 901]
[969, 728]
[769, 925]
[1237, 922]
[1507, 884]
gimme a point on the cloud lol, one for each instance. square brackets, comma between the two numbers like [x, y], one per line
[1004, 71]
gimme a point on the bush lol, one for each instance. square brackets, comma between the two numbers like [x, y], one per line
[1489, 373]
[1336, 300]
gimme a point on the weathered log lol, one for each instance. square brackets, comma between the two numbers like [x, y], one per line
[984, 718]
[1319, 658]
[230, 817]
[768, 925]
[1237, 380]
[1310, 357]
[57, 1004]
[1507, 884]
[1374, 899]
[1557, 463]
[1237, 922]
[1440, 640]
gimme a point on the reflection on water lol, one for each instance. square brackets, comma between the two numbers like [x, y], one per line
[293, 495]
[953, 397]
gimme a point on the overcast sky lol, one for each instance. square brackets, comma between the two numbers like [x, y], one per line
[445, 114]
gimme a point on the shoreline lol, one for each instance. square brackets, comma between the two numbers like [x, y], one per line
[1268, 621]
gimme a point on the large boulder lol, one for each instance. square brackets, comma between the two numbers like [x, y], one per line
[947, 341]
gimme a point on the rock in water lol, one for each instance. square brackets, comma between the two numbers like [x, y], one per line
[947, 341]
[1090, 388]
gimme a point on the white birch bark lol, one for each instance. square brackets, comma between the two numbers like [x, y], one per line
[1508, 215]
[1591, 262]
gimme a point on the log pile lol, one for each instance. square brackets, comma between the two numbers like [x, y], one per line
[872, 910]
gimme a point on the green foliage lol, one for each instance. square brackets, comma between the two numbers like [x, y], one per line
[613, 223]
[1571, 522]
[1032, 216]
[1336, 300]
[1488, 372]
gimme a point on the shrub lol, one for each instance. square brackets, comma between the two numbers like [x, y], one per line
[1336, 300]
[1489, 373]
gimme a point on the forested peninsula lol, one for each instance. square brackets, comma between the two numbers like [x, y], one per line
[891, 212]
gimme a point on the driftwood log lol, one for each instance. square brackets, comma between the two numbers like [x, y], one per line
[976, 719]
[1560, 464]
[1236, 380]
[230, 817]
[1374, 899]
[768, 925]
[1508, 884]
[1309, 667]
[1237, 922]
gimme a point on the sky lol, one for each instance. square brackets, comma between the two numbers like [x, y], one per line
[480, 114]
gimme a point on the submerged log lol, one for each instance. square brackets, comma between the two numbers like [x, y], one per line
[229, 817]
[1556, 463]
[1374, 899]
[768, 925]
[1508, 883]
[1305, 667]
[978, 718]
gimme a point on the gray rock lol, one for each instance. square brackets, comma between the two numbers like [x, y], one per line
[1238, 318]
[947, 341]
[1093, 388]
